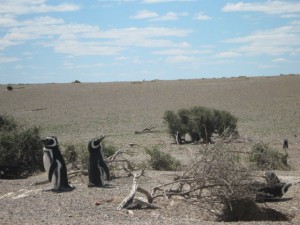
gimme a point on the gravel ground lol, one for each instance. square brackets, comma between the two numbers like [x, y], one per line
[22, 203]
[267, 108]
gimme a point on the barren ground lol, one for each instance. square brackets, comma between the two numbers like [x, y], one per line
[268, 109]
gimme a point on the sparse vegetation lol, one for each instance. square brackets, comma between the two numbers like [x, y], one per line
[266, 110]
[266, 158]
[108, 149]
[162, 161]
[71, 155]
[20, 149]
[200, 123]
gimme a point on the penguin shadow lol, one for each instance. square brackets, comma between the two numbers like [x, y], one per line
[106, 186]
[272, 199]
[61, 190]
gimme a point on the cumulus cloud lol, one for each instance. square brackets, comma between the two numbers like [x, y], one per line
[201, 16]
[164, 1]
[144, 14]
[82, 39]
[6, 59]
[270, 7]
[21, 7]
[281, 40]
[153, 16]
[181, 59]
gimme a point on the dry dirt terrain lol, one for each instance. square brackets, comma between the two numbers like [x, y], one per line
[268, 109]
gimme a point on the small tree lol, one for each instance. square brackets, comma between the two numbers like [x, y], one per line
[224, 121]
[200, 123]
[176, 128]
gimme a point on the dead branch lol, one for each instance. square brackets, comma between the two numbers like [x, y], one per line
[113, 157]
[130, 202]
[146, 130]
[129, 199]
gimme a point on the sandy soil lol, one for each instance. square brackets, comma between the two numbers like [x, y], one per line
[267, 108]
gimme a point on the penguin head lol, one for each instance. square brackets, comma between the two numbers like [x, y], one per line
[285, 188]
[50, 142]
[95, 143]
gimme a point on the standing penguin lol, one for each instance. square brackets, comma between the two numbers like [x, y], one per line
[55, 165]
[97, 168]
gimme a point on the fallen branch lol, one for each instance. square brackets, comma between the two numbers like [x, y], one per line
[130, 202]
[146, 130]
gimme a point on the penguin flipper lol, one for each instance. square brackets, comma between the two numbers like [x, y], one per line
[106, 169]
[51, 170]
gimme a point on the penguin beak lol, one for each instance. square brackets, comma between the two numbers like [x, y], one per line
[101, 138]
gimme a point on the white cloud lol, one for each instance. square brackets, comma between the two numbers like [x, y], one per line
[7, 20]
[144, 14]
[165, 1]
[81, 39]
[270, 7]
[33, 6]
[181, 59]
[167, 16]
[201, 16]
[153, 16]
[281, 40]
[228, 54]
[181, 51]
[77, 48]
[279, 60]
[6, 59]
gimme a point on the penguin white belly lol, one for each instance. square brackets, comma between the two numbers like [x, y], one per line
[47, 158]
[56, 178]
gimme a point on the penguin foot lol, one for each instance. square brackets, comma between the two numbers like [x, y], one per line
[62, 189]
[91, 185]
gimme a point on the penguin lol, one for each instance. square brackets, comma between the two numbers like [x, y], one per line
[55, 165]
[97, 168]
[285, 144]
[275, 190]
[271, 178]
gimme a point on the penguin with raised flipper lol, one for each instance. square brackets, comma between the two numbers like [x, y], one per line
[55, 165]
[97, 168]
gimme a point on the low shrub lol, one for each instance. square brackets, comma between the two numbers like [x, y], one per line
[71, 155]
[20, 149]
[266, 158]
[108, 150]
[162, 161]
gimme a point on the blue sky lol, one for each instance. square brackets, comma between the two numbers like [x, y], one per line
[130, 40]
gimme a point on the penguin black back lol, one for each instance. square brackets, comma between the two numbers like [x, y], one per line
[97, 165]
[55, 165]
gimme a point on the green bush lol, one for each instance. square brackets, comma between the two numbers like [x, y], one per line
[108, 150]
[162, 161]
[266, 158]
[71, 155]
[200, 123]
[20, 149]
[224, 121]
